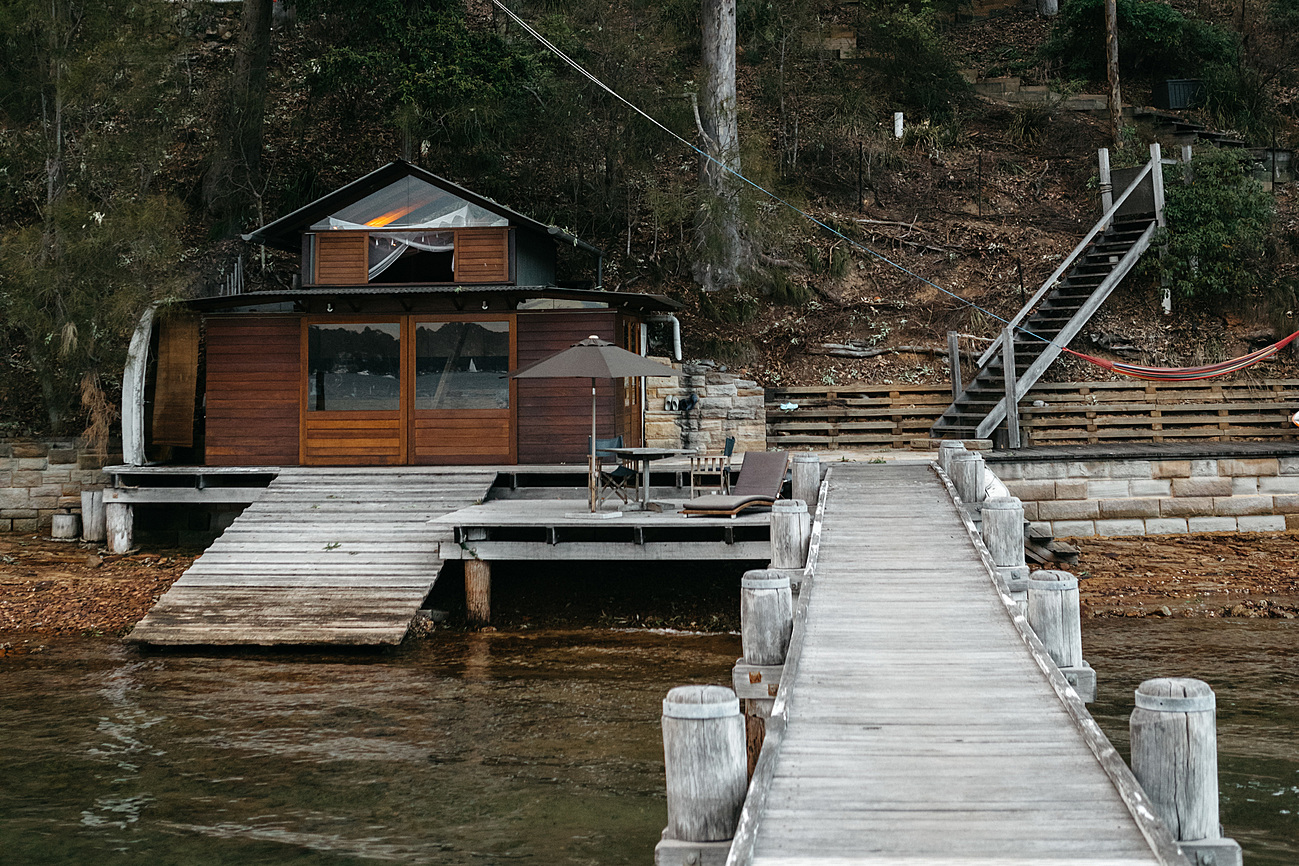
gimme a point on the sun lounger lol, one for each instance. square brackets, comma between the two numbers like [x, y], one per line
[762, 474]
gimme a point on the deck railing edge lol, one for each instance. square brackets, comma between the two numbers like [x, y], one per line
[1157, 835]
[746, 832]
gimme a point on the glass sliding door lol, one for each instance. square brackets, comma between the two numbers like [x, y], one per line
[462, 408]
[353, 395]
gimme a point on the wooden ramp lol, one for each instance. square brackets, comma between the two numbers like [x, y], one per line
[324, 556]
[920, 729]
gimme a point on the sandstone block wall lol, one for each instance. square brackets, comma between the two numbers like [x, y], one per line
[727, 406]
[37, 477]
[1157, 497]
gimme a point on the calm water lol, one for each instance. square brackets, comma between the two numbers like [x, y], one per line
[1253, 667]
[540, 748]
[470, 749]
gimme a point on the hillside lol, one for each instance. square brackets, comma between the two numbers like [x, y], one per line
[980, 198]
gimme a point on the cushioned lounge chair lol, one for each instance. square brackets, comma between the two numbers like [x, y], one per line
[762, 474]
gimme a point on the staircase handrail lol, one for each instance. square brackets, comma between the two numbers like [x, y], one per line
[994, 349]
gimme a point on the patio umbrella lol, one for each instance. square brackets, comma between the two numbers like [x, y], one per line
[594, 359]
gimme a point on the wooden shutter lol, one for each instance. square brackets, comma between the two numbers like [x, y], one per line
[482, 255]
[341, 259]
[176, 382]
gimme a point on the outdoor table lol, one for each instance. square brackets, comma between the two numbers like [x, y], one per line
[643, 457]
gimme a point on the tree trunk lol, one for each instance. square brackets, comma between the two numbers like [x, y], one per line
[233, 179]
[718, 230]
[1112, 69]
[1048, 8]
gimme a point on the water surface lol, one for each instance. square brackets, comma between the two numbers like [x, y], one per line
[463, 749]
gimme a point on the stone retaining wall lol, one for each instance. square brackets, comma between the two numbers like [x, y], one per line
[1157, 497]
[727, 406]
[38, 476]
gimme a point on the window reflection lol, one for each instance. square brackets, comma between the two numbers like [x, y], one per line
[354, 367]
[462, 365]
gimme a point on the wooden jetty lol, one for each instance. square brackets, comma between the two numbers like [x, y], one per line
[322, 556]
[917, 722]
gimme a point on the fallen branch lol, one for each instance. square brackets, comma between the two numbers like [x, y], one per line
[780, 263]
[847, 350]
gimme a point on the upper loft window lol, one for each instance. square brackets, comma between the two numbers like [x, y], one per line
[411, 203]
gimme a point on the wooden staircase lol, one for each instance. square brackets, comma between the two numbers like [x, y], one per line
[1056, 313]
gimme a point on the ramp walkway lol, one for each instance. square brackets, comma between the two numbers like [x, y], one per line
[918, 726]
[323, 556]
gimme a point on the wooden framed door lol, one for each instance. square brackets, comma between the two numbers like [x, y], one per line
[353, 391]
[462, 401]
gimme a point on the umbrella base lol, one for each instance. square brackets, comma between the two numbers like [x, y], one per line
[593, 515]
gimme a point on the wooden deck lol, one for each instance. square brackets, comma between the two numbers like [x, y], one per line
[323, 556]
[916, 723]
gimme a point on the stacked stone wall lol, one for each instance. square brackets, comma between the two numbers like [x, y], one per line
[726, 406]
[1157, 497]
[40, 476]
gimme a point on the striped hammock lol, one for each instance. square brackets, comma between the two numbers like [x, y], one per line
[1187, 374]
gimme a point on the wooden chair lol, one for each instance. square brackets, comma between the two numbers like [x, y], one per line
[711, 473]
[617, 481]
[761, 478]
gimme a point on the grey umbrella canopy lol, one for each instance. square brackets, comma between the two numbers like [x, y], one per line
[593, 359]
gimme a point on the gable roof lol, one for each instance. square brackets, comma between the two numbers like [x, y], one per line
[285, 233]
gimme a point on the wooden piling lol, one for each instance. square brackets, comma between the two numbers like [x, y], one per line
[1003, 535]
[1175, 758]
[119, 526]
[805, 477]
[766, 616]
[791, 530]
[1053, 613]
[703, 754]
[93, 527]
[947, 449]
[967, 475]
[65, 527]
[478, 592]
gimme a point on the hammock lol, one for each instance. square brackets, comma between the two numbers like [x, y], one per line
[1187, 374]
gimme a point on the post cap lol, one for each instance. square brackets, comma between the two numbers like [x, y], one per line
[765, 578]
[795, 505]
[1003, 503]
[1050, 580]
[1175, 695]
[806, 457]
[701, 702]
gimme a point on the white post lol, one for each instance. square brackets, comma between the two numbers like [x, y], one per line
[1003, 535]
[1106, 181]
[954, 364]
[947, 450]
[93, 527]
[766, 626]
[897, 124]
[1175, 758]
[791, 531]
[805, 478]
[119, 524]
[1054, 615]
[1010, 379]
[703, 755]
[1157, 187]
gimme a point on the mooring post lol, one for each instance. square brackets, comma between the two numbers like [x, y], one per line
[791, 530]
[967, 476]
[766, 625]
[947, 449]
[1054, 615]
[703, 755]
[478, 583]
[119, 526]
[1003, 535]
[805, 478]
[1175, 758]
[92, 516]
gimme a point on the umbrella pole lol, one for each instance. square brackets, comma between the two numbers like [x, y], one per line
[592, 481]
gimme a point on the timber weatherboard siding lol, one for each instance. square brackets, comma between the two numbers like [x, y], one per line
[254, 375]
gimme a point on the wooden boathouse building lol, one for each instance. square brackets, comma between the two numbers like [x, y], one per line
[415, 298]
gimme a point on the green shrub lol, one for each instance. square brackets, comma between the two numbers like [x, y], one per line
[1217, 227]
[1238, 98]
[910, 61]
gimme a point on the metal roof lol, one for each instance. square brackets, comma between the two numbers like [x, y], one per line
[625, 300]
[285, 233]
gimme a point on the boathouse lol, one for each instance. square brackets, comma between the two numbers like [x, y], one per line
[414, 299]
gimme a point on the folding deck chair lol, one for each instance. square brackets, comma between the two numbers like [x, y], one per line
[762, 475]
[619, 480]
